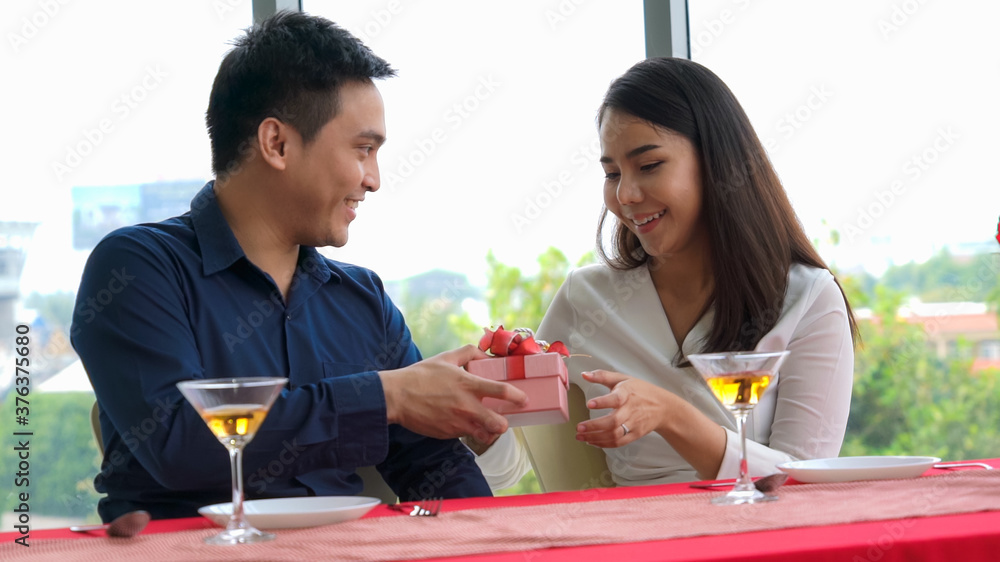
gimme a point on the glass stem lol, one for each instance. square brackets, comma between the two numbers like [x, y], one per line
[237, 521]
[744, 483]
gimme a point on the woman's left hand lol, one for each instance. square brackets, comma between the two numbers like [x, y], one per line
[637, 405]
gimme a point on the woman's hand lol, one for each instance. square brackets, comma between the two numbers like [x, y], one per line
[637, 405]
[643, 408]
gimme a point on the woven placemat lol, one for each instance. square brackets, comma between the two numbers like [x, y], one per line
[506, 529]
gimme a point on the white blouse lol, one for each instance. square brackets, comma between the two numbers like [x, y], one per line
[616, 318]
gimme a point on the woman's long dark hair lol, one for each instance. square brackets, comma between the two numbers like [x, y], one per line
[754, 233]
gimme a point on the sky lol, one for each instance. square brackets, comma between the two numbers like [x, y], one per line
[880, 118]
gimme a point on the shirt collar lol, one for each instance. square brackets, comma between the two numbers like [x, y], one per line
[313, 263]
[220, 249]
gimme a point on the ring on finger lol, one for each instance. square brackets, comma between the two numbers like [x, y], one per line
[625, 429]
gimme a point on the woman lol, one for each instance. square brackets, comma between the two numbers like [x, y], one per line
[706, 254]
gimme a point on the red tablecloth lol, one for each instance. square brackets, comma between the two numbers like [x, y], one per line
[974, 536]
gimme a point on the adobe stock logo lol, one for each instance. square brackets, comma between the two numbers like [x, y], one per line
[118, 281]
[460, 111]
[713, 28]
[551, 189]
[793, 120]
[560, 13]
[225, 7]
[379, 21]
[900, 16]
[32, 25]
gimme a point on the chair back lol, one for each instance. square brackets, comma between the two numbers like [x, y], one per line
[95, 426]
[375, 486]
[562, 463]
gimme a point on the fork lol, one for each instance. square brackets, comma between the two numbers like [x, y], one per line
[429, 507]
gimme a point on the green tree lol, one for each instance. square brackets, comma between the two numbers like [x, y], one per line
[906, 401]
[432, 303]
[993, 298]
[438, 324]
[63, 458]
[892, 352]
[947, 278]
[516, 300]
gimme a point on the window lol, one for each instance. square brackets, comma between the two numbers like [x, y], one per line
[110, 103]
[878, 116]
[491, 126]
[989, 349]
[492, 143]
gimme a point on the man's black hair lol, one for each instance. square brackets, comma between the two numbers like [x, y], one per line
[289, 67]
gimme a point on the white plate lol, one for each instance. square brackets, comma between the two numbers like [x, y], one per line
[847, 469]
[294, 513]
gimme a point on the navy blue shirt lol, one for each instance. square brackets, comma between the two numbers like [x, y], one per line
[178, 300]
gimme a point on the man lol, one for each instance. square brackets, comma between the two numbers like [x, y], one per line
[235, 288]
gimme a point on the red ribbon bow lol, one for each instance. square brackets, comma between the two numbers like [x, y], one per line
[502, 343]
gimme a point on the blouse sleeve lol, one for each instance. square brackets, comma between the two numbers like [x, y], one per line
[814, 391]
[505, 462]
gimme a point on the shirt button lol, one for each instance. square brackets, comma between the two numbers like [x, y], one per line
[288, 317]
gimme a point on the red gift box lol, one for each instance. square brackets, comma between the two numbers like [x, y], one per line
[542, 376]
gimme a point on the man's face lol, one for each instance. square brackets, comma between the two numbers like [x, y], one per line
[331, 175]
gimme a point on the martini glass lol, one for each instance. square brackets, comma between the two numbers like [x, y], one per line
[738, 379]
[234, 410]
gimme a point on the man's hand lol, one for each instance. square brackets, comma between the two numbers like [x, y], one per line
[481, 442]
[438, 398]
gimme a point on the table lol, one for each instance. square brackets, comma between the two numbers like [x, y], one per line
[972, 536]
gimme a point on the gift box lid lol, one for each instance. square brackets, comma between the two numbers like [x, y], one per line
[518, 367]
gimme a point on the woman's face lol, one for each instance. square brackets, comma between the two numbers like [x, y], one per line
[653, 184]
